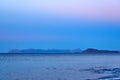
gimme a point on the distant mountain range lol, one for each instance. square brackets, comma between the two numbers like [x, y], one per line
[87, 51]
[96, 51]
[45, 51]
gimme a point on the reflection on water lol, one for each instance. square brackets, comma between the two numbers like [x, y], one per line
[57, 67]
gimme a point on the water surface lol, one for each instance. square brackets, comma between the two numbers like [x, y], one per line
[54, 67]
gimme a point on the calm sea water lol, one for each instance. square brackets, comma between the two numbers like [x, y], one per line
[53, 67]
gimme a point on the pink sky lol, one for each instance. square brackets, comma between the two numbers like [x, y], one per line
[100, 9]
[59, 24]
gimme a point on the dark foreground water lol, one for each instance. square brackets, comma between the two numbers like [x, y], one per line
[59, 67]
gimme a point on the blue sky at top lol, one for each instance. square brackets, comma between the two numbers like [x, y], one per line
[60, 24]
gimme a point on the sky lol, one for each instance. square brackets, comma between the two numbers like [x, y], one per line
[59, 24]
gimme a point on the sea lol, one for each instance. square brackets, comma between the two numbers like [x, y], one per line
[59, 67]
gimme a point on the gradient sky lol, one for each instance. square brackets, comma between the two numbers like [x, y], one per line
[60, 24]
